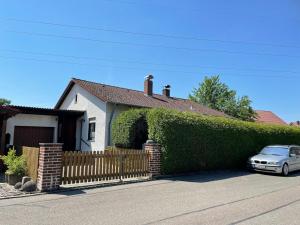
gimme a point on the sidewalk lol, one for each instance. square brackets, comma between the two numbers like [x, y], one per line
[8, 191]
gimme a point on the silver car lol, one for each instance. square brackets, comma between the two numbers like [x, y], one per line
[276, 159]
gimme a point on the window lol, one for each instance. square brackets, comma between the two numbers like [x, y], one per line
[76, 98]
[92, 129]
[59, 130]
[295, 151]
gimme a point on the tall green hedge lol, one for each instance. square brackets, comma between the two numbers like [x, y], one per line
[130, 129]
[192, 142]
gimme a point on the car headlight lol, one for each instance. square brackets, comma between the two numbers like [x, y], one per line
[250, 160]
[274, 163]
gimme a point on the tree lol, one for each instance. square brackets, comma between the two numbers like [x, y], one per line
[4, 101]
[217, 95]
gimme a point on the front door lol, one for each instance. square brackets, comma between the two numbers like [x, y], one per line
[67, 132]
[32, 136]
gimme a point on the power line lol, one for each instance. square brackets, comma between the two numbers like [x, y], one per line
[134, 68]
[152, 46]
[146, 63]
[150, 34]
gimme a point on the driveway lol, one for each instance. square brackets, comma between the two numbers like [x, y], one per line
[209, 198]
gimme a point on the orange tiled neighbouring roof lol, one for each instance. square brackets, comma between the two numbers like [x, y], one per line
[264, 116]
[124, 96]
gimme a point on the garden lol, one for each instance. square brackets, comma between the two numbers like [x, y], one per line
[14, 181]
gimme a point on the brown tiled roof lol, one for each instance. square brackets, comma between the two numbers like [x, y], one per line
[136, 98]
[268, 117]
[8, 110]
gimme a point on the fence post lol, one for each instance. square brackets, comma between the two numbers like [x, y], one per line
[121, 162]
[50, 166]
[154, 160]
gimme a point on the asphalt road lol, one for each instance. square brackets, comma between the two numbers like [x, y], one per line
[210, 198]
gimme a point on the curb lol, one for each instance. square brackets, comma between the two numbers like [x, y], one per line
[22, 195]
[100, 185]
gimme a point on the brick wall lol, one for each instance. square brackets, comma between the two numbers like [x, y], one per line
[50, 165]
[154, 162]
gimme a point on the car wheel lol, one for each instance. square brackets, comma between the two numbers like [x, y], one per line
[285, 170]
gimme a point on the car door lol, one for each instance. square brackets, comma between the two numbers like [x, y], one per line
[293, 162]
[298, 157]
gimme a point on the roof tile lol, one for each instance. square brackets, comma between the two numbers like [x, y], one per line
[268, 117]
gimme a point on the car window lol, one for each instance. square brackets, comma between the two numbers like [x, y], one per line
[297, 151]
[293, 151]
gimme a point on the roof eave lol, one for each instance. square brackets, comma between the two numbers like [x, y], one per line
[65, 94]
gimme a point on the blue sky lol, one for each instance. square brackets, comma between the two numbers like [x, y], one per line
[253, 45]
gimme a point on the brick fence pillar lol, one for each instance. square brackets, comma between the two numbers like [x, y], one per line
[154, 161]
[50, 165]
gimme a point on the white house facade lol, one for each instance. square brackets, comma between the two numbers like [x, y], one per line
[95, 112]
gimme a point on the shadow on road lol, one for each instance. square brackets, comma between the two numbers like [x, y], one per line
[68, 192]
[209, 176]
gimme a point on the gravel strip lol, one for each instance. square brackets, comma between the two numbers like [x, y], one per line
[7, 191]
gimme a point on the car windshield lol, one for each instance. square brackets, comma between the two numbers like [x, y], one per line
[280, 151]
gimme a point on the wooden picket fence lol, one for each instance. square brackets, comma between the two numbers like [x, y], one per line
[81, 167]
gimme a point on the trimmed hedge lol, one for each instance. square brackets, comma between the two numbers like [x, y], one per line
[192, 142]
[130, 129]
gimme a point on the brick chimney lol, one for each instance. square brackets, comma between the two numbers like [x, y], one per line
[167, 91]
[148, 85]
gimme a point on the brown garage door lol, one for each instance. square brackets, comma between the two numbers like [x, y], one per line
[32, 136]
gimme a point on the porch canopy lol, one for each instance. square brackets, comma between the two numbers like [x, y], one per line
[5, 113]
[66, 122]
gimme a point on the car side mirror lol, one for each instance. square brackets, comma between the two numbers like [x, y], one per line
[292, 155]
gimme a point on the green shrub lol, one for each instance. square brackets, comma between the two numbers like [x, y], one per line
[130, 129]
[192, 142]
[16, 165]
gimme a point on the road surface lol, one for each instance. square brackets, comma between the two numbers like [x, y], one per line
[209, 198]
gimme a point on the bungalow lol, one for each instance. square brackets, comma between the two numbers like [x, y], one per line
[83, 116]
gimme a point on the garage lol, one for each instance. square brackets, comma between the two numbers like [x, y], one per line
[29, 126]
[32, 136]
